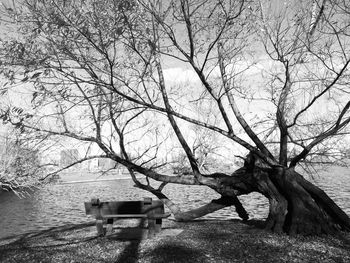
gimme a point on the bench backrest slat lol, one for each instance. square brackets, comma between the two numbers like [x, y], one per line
[124, 207]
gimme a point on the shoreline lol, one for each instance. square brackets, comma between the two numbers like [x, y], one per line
[93, 180]
[89, 177]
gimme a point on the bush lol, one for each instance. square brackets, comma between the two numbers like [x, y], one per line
[180, 165]
[20, 168]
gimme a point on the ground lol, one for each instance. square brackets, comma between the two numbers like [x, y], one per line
[201, 241]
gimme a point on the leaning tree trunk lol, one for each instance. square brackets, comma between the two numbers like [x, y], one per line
[295, 204]
[306, 207]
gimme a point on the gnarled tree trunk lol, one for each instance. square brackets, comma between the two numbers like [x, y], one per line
[296, 206]
[309, 209]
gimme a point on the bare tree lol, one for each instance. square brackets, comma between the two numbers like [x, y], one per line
[96, 71]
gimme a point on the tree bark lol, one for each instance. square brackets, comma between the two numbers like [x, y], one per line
[310, 210]
[296, 206]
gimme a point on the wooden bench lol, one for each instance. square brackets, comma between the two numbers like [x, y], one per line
[150, 210]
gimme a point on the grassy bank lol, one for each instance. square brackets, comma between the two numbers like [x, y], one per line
[202, 241]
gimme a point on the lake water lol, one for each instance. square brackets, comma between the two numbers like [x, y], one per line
[62, 204]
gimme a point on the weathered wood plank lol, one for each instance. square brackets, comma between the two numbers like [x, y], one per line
[125, 216]
[124, 207]
[151, 216]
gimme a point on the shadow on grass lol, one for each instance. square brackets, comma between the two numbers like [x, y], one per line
[50, 232]
[249, 242]
[256, 223]
[73, 243]
[130, 253]
[259, 224]
[175, 253]
[42, 246]
[203, 241]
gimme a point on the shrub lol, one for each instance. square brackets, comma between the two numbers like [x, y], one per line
[20, 167]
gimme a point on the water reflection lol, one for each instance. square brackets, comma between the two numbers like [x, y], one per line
[62, 204]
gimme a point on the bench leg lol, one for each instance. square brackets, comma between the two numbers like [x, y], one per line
[99, 227]
[109, 229]
[158, 225]
[151, 228]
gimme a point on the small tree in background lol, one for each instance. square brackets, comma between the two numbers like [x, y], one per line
[20, 167]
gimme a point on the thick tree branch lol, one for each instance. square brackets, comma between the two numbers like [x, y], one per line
[235, 109]
[280, 116]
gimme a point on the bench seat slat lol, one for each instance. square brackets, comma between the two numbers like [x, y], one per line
[151, 216]
[125, 216]
[158, 216]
